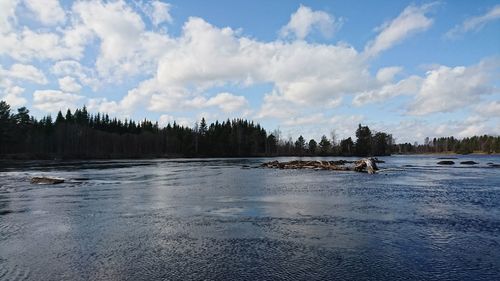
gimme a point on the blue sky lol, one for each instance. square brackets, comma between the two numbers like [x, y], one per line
[410, 68]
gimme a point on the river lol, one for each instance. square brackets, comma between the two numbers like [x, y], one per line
[227, 219]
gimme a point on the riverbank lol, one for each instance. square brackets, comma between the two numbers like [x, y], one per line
[28, 157]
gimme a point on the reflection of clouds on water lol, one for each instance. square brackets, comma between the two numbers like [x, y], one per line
[182, 218]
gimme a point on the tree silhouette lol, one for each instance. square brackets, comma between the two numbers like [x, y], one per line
[84, 135]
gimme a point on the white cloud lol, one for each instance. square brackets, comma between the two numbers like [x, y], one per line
[317, 118]
[7, 14]
[85, 75]
[26, 45]
[345, 125]
[490, 109]
[69, 84]
[103, 105]
[275, 106]
[183, 121]
[445, 89]
[228, 102]
[12, 95]
[126, 48]
[475, 23]
[48, 12]
[413, 19]
[304, 20]
[304, 79]
[386, 74]
[442, 89]
[160, 13]
[407, 86]
[303, 73]
[54, 100]
[418, 129]
[205, 56]
[24, 72]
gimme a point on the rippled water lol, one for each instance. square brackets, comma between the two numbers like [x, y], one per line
[226, 219]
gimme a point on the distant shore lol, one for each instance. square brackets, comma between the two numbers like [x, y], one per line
[24, 157]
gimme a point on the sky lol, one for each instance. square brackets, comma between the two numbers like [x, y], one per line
[414, 69]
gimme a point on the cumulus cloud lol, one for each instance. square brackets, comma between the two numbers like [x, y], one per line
[72, 68]
[446, 89]
[69, 84]
[160, 12]
[317, 118]
[12, 95]
[475, 23]
[177, 73]
[275, 106]
[305, 20]
[488, 109]
[386, 74]
[26, 45]
[303, 73]
[441, 89]
[345, 125]
[407, 86]
[413, 19]
[126, 48]
[48, 12]
[166, 119]
[7, 14]
[205, 56]
[54, 100]
[24, 72]
[228, 102]
[417, 129]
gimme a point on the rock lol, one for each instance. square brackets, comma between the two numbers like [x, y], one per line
[338, 162]
[468, 163]
[367, 164]
[446, 162]
[493, 165]
[313, 165]
[46, 180]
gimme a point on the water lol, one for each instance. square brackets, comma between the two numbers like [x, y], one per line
[217, 219]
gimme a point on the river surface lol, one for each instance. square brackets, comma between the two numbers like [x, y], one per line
[226, 219]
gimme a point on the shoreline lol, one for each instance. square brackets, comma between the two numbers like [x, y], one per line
[173, 157]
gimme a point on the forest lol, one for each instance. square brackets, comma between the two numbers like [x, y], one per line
[81, 135]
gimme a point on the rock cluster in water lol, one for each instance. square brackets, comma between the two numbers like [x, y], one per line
[363, 165]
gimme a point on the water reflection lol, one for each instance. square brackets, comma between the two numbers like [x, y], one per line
[223, 219]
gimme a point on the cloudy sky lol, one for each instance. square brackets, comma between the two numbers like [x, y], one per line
[414, 69]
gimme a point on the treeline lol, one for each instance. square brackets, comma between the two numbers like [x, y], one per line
[83, 135]
[366, 143]
[482, 144]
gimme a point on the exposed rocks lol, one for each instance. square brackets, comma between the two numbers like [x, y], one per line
[468, 163]
[446, 162]
[363, 165]
[493, 165]
[46, 180]
[367, 164]
[317, 165]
